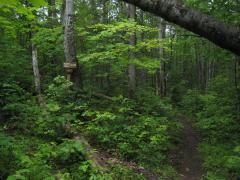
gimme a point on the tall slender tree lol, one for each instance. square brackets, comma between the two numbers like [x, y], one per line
[162, 68]
[131, 66]
[36, 69]
[52, 12]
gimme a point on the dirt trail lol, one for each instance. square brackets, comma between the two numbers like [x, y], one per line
[190, 161]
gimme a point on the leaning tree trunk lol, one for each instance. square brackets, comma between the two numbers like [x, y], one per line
[71, 65]
[223, 35]
[131, 66]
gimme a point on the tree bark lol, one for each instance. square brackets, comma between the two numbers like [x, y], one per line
[37, 77]
[223, 35]
[69, 46]
[143, 73]
[131, 66]
[71, 65]
[36, 70]
[162, 68]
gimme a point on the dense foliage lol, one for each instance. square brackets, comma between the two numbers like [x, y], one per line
[217, 118]
[176, 73]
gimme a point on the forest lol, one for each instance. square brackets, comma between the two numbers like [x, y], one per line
[119, 89]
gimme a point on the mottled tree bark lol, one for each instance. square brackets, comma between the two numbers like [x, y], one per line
[223, 35]
[36, 70]
[69, 46]
[131, 66]
[36, 73]
[71, 65]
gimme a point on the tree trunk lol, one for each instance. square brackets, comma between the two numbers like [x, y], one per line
[94, 12]
[162, 68]
[223, 35]
[131, 67]
[36, 70]
[52, 12]
[62, 18]
[71, 65]
[143, 73]
[37, 78]
[106, 68]
[104, 11]
[52, 23]
[69, 46]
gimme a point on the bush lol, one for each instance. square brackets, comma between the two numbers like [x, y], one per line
[132, 132]
[7, 156]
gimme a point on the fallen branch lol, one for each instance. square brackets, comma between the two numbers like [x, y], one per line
[91, 154]
[103, 96]
[95, 94]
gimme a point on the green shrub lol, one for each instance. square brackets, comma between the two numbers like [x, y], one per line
[7, 155]
[132, 132]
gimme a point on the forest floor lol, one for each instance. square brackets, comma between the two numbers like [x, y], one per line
[187, 158]
[190, 166]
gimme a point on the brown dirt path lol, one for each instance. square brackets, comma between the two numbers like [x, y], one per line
[190, 160]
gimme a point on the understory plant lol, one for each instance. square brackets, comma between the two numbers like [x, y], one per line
[216, 116]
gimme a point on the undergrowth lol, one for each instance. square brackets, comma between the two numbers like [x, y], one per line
[216, 116]
[37, 141]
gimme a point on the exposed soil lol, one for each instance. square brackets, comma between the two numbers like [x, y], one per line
[190, 165]
[104, 160]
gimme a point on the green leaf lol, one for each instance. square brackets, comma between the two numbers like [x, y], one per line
[38, 3]
[53, 107]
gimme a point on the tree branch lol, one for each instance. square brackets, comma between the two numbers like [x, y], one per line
[221, 34]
